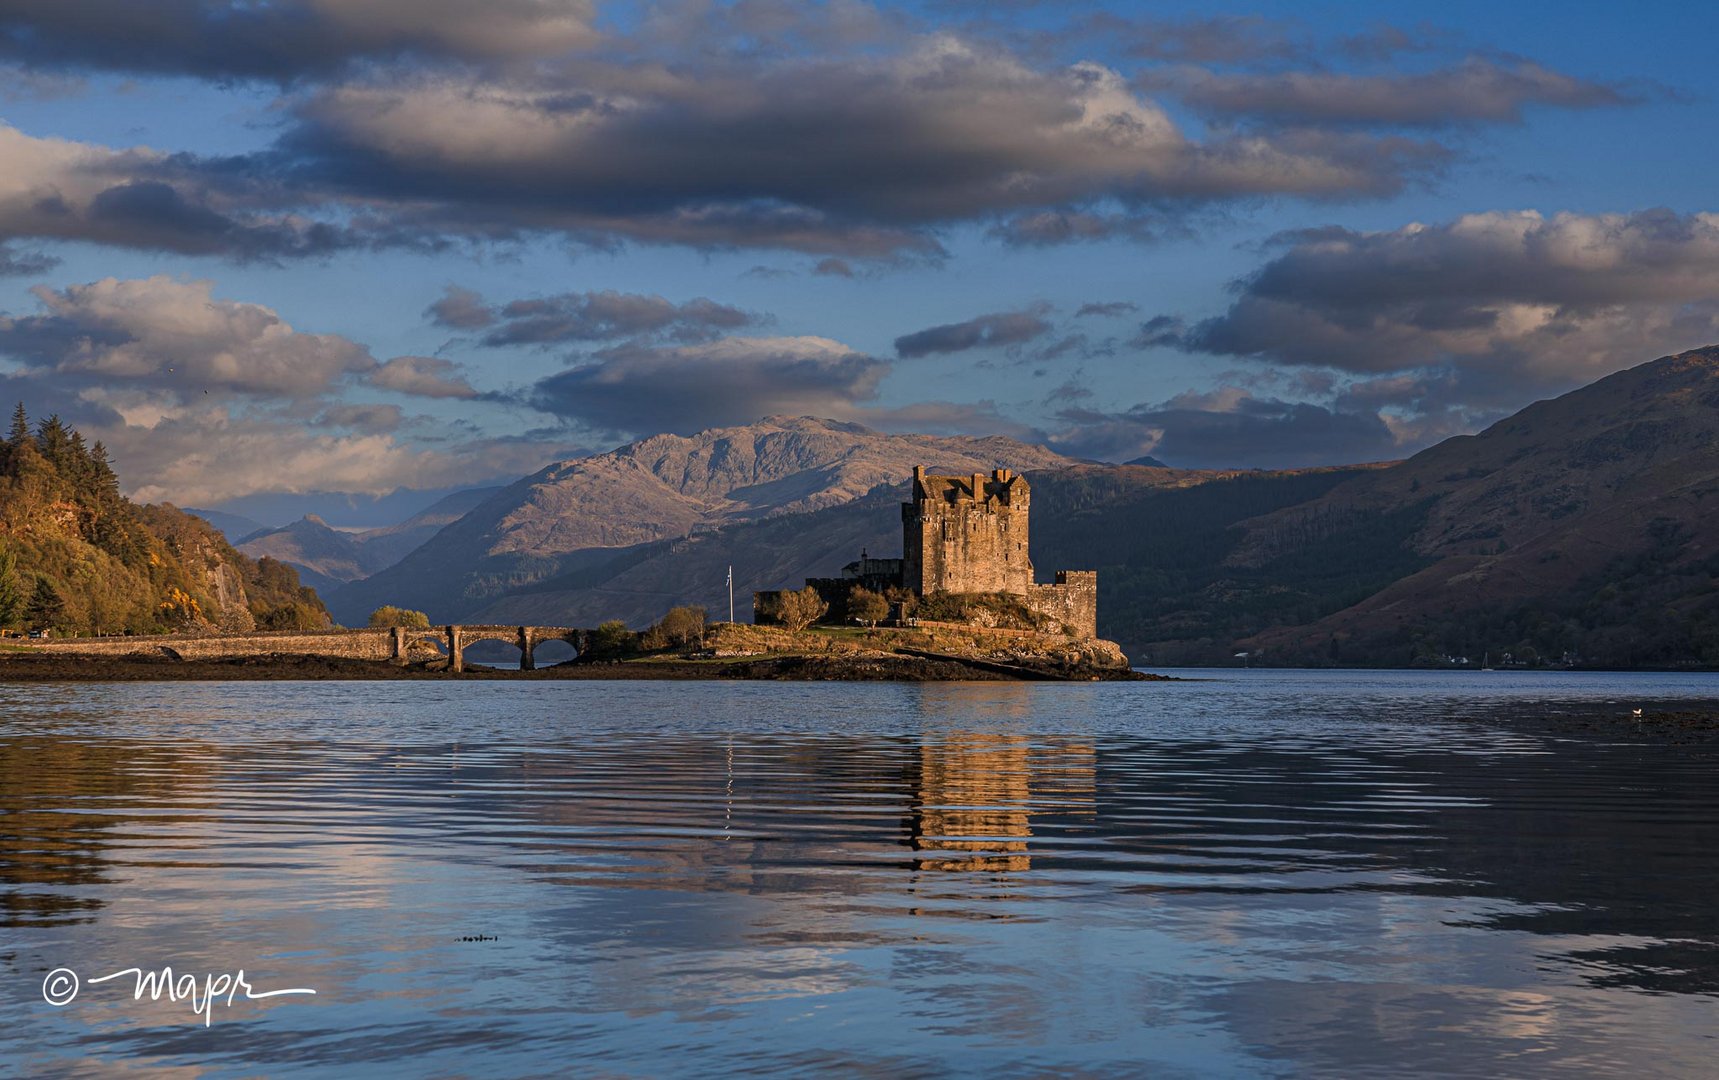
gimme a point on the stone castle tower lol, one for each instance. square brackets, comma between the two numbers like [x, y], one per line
[967, 534]
[964, 534]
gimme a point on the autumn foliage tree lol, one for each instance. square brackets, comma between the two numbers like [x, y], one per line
[867, 606]
[679, 626]
[802, 608]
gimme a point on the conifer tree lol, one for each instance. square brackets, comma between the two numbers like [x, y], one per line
[45, 605]
[106, 479]
[20, 426]
[53, 440]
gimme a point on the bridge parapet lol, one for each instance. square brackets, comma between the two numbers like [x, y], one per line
[368, 643]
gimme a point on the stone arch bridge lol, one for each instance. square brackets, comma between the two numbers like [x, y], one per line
[387, 643]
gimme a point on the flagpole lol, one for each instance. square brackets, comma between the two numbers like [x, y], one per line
[731, 593]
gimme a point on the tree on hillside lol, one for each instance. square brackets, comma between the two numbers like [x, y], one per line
[11, 593]
[54, 441]
[802, 608]
[866, 606]
[683, 625]
[277, 600]
[180, 608]
[45, 605]
[20, 426]
[107, 481]
[389, 615]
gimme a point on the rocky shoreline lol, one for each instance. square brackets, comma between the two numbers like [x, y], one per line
[60, 668]
[727, 651]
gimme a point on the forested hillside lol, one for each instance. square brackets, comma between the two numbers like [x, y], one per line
[1168, 588]
[77, 557]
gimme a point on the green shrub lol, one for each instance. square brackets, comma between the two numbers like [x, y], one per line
[389, 615]
[612, 641]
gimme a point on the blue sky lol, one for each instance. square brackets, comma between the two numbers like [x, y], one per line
[1301, 234]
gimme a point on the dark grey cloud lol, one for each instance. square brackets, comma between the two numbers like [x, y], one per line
[985, 331]
[588, 316]
[1562, 296]
[1047, 228]
[834, 267]
[283, 40]
[637, 389]
[1445, 327]
[1383, 42]
[1070, 345]
[375, 419]
[19, 83]
[861, 156]
[1161, 330]
[461, 309]
[1218, 39]
[1107, 309]
[829, 131]
[55, 189]
[1230, 428]
[1476, 91]
[24, 263]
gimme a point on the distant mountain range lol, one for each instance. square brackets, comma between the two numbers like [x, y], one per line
[235, 527]
[1573, 529]
[327, 558]
[575, 517]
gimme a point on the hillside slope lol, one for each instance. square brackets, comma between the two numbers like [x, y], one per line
[1583, 524]
[77, 557]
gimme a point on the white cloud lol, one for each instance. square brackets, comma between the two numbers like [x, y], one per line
[175, 337]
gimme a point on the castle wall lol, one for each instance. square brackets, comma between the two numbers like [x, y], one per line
[1072, 602]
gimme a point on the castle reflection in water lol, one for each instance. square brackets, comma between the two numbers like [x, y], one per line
[977, 793]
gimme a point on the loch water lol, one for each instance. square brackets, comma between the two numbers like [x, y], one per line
[1249, 873]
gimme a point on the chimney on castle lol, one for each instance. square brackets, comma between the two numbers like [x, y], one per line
[918, 477]
[978, 487]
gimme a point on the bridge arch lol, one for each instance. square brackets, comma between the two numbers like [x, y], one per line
[452, 640]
